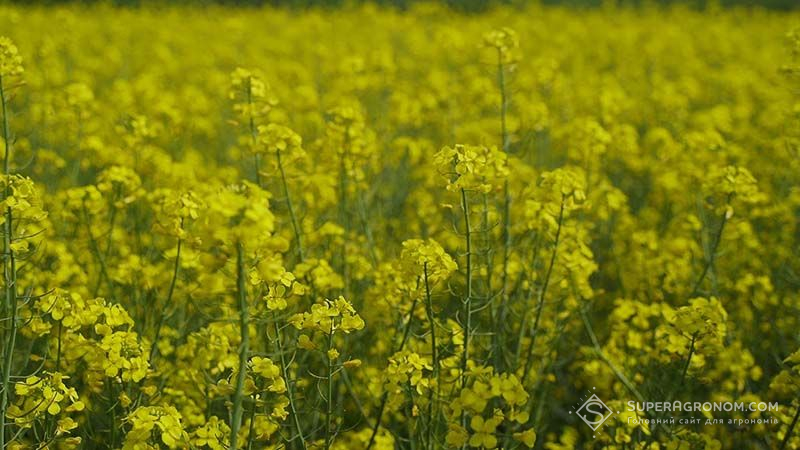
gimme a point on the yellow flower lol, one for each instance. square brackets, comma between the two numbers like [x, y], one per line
[252, 97]
[333, 354]
[214, 433]
[145, 419]
[505, 41]
[484, 430]
[10, 60]
[352, 364]
[456, 435]
[420, 257]
[276, 138]
[527, 437]
[303, 341]
[472, 167]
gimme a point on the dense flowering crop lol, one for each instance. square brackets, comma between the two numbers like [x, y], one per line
[371, 229]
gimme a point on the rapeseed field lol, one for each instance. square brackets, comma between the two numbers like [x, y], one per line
[366, 228]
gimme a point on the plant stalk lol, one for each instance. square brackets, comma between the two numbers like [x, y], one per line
[244, 348]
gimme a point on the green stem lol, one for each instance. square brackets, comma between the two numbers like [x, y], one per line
[434, 359]
[7, 155]
[344, 218]
[236, 421]
[289, 388]
[252, 425]
[789, 432]
[542, 292]
[385, 396]
[9, 276]
[162, 316]
[616, 370]
[525, 316]
[111, 399]
[252, 127]
[501, 313]
[709, 264]
[684, 371]
[501, 82]
[298, 237]
[601, 354]
[467, 303]
[98, 254]
[688, 360]
[329, 398]
[112, 219]
[58, 351]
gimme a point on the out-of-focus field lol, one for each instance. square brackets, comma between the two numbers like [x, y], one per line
[362, 228]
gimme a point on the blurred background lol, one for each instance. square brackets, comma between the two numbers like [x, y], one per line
[462, 5]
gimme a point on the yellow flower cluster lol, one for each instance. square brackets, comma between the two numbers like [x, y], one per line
[506, 394]
[329, 316]
[505, 41]
[252, 97]
[10, 59]
[164, 421]
[46, 394]
[472, 167]
[426, 259]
